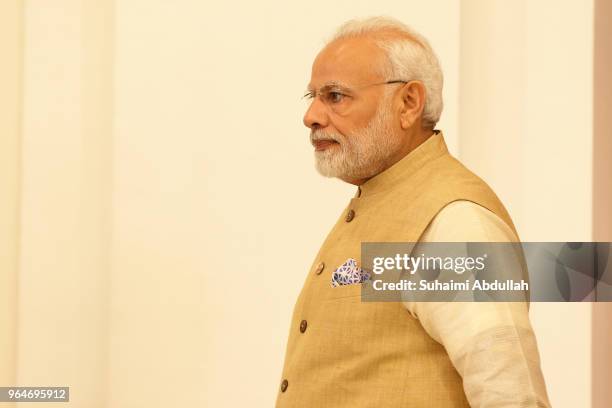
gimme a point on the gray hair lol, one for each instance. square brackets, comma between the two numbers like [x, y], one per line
[409, 56]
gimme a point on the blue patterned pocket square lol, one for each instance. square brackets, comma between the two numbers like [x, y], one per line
[349, 273]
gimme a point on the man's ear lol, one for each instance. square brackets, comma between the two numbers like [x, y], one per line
[412, 103]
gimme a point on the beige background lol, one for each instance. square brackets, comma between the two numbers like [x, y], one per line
[160, 207]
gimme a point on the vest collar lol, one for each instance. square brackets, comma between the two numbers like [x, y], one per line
[430, 149]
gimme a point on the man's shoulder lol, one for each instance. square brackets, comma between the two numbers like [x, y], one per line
[464, 221]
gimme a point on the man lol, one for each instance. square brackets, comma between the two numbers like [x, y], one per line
[376, 96]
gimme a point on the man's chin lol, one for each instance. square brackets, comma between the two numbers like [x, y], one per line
[331, 171]
[325, 171]
[325, 168]
[334, 169]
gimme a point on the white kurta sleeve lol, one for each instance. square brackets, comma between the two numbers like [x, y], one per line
[491, 344]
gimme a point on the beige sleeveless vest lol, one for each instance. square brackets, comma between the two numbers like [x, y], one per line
[343, 352]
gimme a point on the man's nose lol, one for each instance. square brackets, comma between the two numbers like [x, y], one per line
[316, 116]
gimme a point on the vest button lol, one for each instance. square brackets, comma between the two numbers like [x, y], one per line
[284, 385]
[303, 326]
[320, 268]
[350, 215]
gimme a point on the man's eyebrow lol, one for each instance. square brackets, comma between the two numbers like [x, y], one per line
[329, 84]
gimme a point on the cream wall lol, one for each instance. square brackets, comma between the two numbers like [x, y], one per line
[218, 210]
[168, 204]
[63, 329]
[11, 29]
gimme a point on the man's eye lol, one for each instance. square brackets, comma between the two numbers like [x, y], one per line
[335, 97]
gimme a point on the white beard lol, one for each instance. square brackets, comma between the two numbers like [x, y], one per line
[362, 154]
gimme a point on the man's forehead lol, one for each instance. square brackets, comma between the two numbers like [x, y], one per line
[352, 61]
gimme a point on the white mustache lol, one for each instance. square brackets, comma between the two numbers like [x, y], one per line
[320, 135]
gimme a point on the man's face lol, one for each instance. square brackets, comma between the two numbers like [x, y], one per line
[353, 130]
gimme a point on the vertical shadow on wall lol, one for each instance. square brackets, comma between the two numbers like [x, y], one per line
[602, 194]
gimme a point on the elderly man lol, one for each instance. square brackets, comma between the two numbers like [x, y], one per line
[376, 96]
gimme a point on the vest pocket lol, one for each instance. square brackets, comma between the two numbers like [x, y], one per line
[343, 291]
